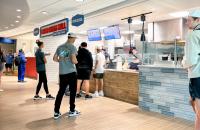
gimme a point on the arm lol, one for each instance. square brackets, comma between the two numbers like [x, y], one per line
[45, 60]
[91, 61]
[73, 55]
[73, 59]
[55, 58]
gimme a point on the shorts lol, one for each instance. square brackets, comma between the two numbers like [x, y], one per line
[83, 74]
[194, 88]
[98, 75]
[8, 66]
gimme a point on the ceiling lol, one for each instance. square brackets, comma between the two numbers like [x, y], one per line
[99, 13]
[11, 17]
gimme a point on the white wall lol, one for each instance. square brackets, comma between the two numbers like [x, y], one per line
[27, 43]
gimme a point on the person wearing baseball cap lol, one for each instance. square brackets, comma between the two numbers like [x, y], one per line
[99, 72]
[191, 61]
[65, 55]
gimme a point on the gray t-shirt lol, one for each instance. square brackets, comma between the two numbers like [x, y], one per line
[65, 51]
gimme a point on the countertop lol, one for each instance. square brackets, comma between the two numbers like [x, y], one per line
[162, 66]
[125, 71]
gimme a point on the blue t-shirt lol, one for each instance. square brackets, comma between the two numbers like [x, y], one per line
[9, 59]
[64, 51]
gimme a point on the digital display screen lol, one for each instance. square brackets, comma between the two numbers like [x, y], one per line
[7, 40]
[112, 32]
[94, 35]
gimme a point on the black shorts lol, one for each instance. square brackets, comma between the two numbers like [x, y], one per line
[194, 88]
[83, 74]
[8, 66]
[98, 75]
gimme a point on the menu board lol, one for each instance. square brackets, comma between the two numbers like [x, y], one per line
[111, 32]
[94, 35]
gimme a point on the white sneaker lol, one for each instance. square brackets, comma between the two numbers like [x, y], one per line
[96, 94]
[1, 90]
[73, 114]
[101, 93]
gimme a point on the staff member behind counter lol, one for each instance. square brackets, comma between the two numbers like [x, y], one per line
[135, 62]
[191, 61]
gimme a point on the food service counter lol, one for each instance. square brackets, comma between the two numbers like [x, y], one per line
[120, 85]
[165, 90]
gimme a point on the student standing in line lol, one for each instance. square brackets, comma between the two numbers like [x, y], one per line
[21, 66]
[66, 57]
[41, 70]
[84, 68]
[2, 62]
[191, 61]
[9, 61]
[99, 72]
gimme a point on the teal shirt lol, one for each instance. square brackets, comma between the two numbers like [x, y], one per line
[40, 64]
[65, 51]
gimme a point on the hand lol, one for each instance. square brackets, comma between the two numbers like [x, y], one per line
[60, 59]
[47, 54]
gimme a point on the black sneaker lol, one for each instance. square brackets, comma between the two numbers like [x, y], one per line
[37, 97]
[73, 114]
[78, 95]
[88, 97]
[57, 115]
[50, 97]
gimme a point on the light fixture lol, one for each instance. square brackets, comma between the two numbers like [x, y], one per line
[44, 12]
[12, 25]
[179, 14]
[17, 21]
[19, 17]
[6, 27]
[18, 10]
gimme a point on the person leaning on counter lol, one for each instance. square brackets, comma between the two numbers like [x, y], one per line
[191, 61]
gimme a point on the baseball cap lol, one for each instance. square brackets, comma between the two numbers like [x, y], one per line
[99, 48]
[73, 35]
[195, 13]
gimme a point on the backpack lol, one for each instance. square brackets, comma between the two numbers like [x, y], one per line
[17, 60]
[2, 59]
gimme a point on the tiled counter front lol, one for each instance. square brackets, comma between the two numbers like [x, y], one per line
[165, 90]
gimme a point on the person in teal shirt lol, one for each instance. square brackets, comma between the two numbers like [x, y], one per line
[191, 61]
[65, 55]
[41, 70]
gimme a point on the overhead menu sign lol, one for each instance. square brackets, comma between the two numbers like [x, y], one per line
[57, 28]
[78, 20]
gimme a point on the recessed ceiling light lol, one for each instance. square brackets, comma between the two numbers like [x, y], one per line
[44, 12]
[179, 14]
[17, 21]
[19, 17]
[18, 10]
[6, 27]
[11, 24]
